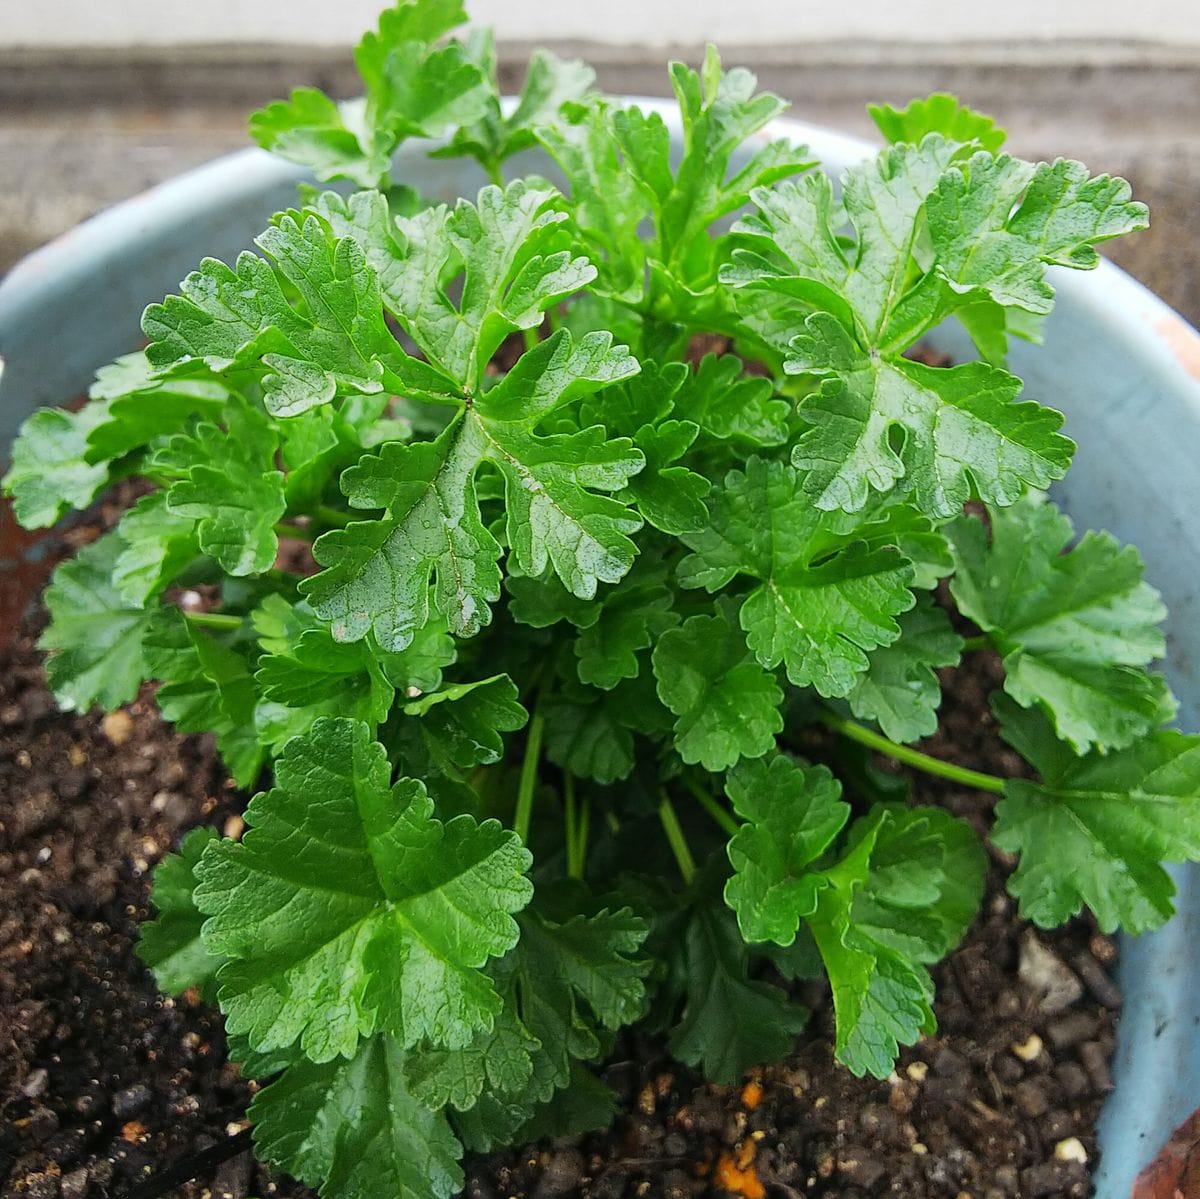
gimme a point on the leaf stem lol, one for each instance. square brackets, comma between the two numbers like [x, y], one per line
[912, 757]
[529, 769]
[531, 337]
[579, 815]
[676, 839]
[570, 814]
[214, 620]
[332, 516]
[712, 807]
[979, 641]
[585, 824]
[285, 529]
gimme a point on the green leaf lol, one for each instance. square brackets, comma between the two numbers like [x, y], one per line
[63, 460]
[493, 1122]
[585, 1104]
[413, 89]
[51, 471]
[542, 602]
[618, 164]
[903, 894]
[207, 687]
[730, 405]
[226, 483]
[305, 669]
[845, 313]
[570, 981]
[792, 813]
[441, 90]
[1096, 828]
[378, 572]
[925, 883]
[882, 998]
[500, 1061]
[670, 497]
[463, 722]
[1065, 213]
[94, 640]
[828, 589]
[606, 202]
[996, 222]
[510, 249]
[899, 688]
[727, 705]
[349, 908]
[590, 732]
[721, 112]
[613, 629]
[1074, 629]
[306, 319]
[310, 129]
[354, 1129]
[964, 432]
[729, 1023]
[628, 619]
[158, 545]
[573, 977]
[170, 944]
[139, 408]
[550, 82]
[938, 113]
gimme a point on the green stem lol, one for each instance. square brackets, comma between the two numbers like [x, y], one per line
[332, 516]
[494, 173]
[714, 809]
[676, 839]
[585, 824]
[285, 529]
[913, 757]
[531, 337]
[570, 812]
[980, 641]
[529, 769]
[214, 620]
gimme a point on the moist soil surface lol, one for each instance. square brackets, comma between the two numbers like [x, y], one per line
[103, 1082]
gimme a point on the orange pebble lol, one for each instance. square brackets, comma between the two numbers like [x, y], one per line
[752, 1094]
[738, 1176]
[133, 1132]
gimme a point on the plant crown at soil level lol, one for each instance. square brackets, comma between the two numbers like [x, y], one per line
[546, 627]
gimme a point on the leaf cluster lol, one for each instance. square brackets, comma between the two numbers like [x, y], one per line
[533, 624]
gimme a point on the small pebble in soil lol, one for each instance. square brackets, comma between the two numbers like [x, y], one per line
[130, 1101]
[1049, 978]
[35, 1084]
[74, 1185]
[1028, 1050]
[1071, 1030]
[232, 1179]
[117, 726]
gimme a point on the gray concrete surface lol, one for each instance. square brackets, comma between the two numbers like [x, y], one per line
[80, 131]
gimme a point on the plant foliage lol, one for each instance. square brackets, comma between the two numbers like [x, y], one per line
[519, 610]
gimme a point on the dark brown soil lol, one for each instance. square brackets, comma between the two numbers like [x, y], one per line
[103, 1082]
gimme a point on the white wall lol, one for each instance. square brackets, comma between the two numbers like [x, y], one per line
[644, 23]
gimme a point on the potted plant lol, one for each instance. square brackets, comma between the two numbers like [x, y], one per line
[535, 625]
